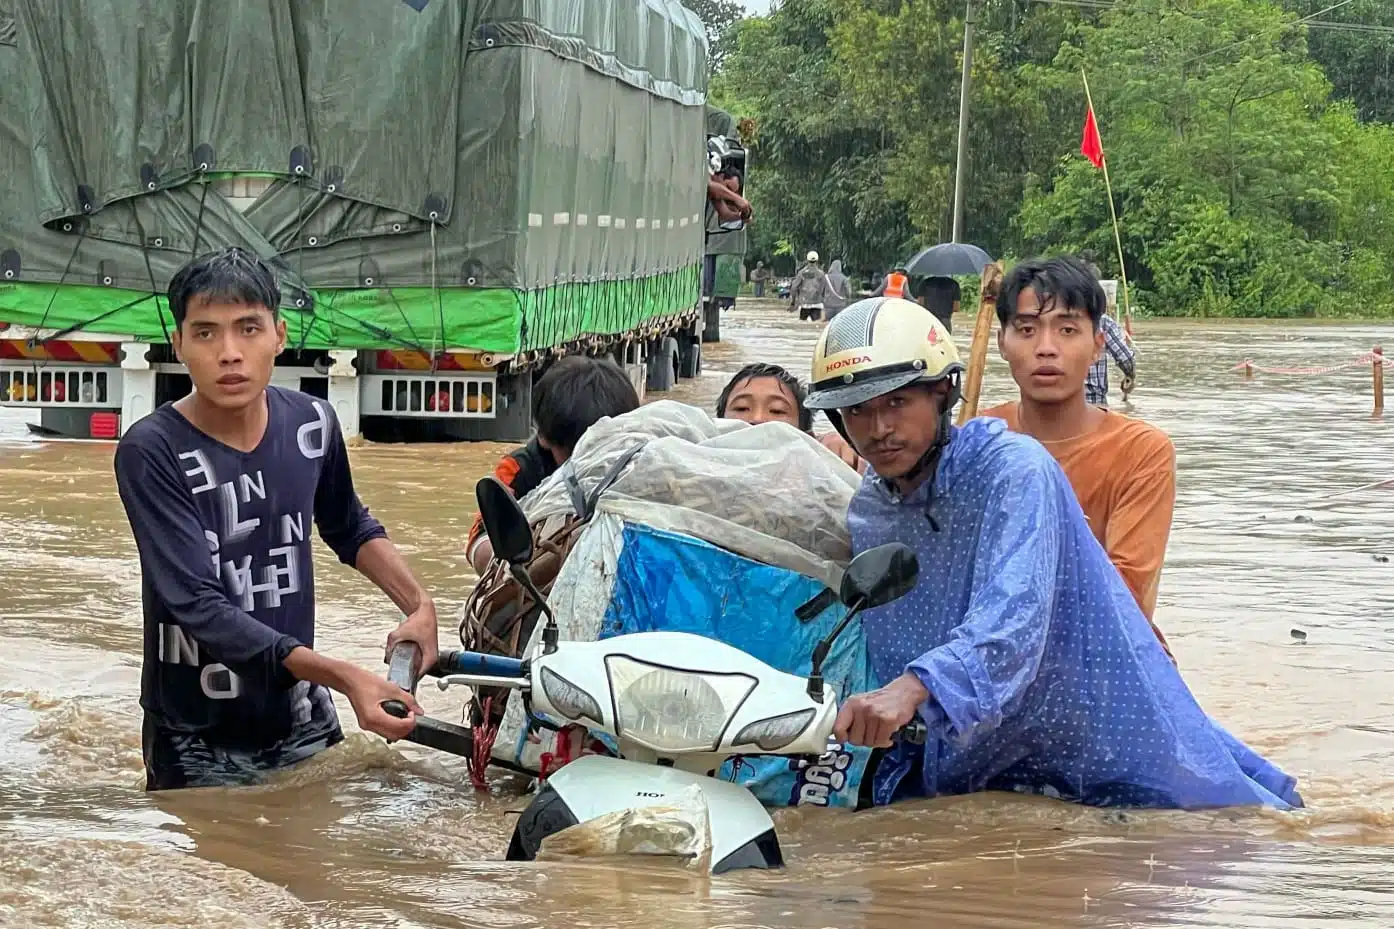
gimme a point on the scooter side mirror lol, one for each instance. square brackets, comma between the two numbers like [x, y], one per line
[504, 522]
[879, 575]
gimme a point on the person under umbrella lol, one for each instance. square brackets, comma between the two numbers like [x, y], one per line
[941, 296]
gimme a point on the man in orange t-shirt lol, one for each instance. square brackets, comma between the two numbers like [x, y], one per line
[1123, 470]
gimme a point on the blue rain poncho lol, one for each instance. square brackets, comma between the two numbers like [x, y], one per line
[1044, 676]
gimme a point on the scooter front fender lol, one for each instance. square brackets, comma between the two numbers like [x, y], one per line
[742, 833]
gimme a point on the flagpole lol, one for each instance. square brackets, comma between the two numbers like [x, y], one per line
[1108, 185]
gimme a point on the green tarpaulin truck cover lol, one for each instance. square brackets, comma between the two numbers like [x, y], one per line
[500, 175]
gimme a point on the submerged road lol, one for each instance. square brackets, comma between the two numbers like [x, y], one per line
[369, 836]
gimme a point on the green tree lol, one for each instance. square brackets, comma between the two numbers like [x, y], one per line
[1244, 185]
[1227, 161]
[819, 161]
[903, 61]
[720, 18]
[1355, 46]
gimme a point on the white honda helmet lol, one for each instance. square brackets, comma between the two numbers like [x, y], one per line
[812, 258]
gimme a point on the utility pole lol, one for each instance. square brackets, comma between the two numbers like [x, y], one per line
[969, 18]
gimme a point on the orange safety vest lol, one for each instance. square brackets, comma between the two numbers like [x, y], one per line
[896, 284]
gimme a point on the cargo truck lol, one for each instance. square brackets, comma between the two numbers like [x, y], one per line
[453, 193]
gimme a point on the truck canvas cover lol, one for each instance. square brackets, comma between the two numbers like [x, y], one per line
[501, 175]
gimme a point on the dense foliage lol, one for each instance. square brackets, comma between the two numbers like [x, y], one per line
[720, 18]
[1252, 171]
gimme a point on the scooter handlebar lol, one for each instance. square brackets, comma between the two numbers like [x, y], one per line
[455, 661]
[399, 671]
[915, 732]
[450, 661]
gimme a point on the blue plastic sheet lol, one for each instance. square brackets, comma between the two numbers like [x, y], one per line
[675, 583]
[1043, 673]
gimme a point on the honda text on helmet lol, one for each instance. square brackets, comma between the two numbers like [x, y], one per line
[876, 347]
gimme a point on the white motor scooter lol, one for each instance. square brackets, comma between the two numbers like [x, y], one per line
[677, 706]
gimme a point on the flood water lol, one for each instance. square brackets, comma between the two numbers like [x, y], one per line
[368, 835]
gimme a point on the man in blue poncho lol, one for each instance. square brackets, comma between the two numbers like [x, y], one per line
[1020, 647]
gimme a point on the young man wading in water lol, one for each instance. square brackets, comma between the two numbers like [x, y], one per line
[764, 393]
[1020, 646]
[220, 488]
[1123, 470]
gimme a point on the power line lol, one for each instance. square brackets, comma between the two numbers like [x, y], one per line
[1315, 24]
[1353, 27]
[1299, 22]
[1309, 21]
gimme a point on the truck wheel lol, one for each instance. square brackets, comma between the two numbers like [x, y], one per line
[663, 365]
[711, 331]
[690, 357]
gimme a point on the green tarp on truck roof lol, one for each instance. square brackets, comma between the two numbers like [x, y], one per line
[532, 153]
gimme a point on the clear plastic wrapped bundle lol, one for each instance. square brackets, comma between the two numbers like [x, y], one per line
[768, 492]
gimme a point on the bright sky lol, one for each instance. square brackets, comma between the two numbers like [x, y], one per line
[758, 6]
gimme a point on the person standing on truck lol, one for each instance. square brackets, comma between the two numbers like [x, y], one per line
[1123, 470]
[1019, 647]
[810, 290]
[724, 194]
[219, 489]
[576, 393]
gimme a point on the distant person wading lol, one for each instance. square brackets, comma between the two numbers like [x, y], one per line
[941, 296]
[810, 290]
[839, 291]
[759, 278]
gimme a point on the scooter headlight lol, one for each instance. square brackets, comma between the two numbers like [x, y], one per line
[669, 710]
[568, 699]
[776, 732]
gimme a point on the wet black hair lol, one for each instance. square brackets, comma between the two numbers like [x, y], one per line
[233, 275]
[575, 393]
[1065, 282]
[759, 369]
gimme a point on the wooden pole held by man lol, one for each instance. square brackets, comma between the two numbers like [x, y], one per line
[982, 331]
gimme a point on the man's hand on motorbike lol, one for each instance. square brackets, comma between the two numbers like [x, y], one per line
[872, 719]
[844, 450]
[421, 628]
[367, 692]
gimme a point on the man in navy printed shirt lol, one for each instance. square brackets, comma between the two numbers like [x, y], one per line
[219, 488]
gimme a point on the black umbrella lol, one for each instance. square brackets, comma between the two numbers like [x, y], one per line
[948, 259]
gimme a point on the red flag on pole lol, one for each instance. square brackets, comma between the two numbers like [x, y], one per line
[1091, 146]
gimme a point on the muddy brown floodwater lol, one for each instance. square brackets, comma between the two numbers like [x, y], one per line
[368, 835]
